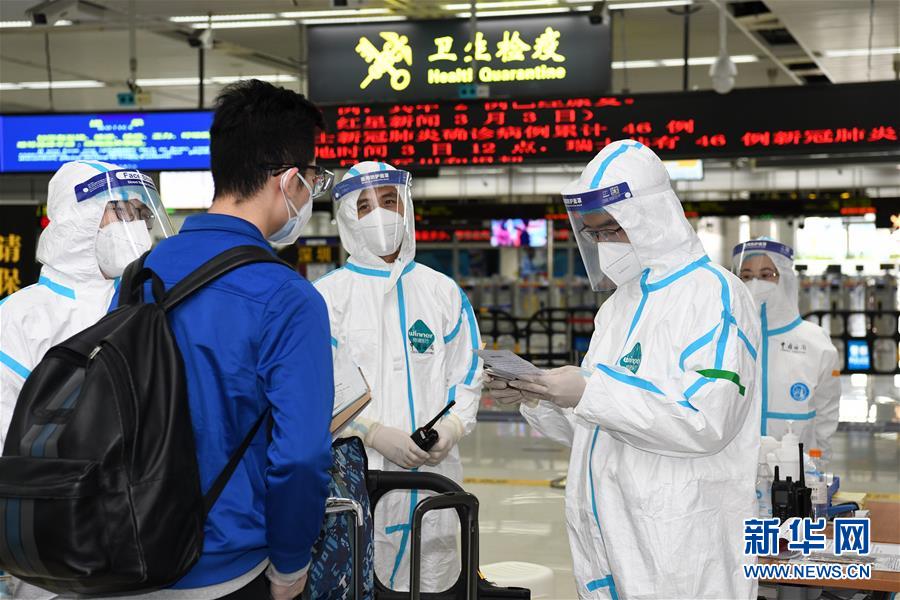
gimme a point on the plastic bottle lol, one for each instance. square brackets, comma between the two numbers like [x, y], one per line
[764, 489]
[819, 486]
[786, 456]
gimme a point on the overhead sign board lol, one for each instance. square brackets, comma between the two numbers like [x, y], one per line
[427, 60]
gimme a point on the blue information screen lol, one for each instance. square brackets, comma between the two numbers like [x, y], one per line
[857, 355]
[153, 141]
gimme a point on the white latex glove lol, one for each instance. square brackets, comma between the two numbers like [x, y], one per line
[563, 386]
[396, 446]
[450, 430]
[501, 392]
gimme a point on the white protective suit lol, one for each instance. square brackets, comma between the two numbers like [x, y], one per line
[665, 437]
[71, 294]
[375, 309]
[801, 370]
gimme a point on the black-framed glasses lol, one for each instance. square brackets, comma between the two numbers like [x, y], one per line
[613, 233]
[318, 185]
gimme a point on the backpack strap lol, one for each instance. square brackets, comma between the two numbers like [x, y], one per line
[215, 268]
[219, 484]
[207, 272]
[130, 290]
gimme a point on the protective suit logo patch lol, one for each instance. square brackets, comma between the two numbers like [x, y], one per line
[799, 391]
[420, 338]
[632, 360]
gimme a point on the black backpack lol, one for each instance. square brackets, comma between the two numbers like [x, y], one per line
[99, 482]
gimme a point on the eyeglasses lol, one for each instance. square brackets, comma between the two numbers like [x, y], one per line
[764, 275]
[131, 210]
[318, 184]
[613, 233]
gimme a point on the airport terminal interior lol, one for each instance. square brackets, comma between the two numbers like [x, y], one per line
[775, 119]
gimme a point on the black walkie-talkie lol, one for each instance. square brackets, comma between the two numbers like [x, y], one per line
[791, 498]
[425, 436]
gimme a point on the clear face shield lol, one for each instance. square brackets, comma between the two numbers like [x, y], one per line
[762, 260]
[761, 265]
[602, 242]
[380, 203]
[133, 214]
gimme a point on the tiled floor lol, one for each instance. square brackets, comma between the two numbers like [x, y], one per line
[508, 466]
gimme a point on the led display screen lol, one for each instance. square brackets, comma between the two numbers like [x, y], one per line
[153, 141]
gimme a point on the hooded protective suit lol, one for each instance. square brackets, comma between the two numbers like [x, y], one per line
[665, 437]
[412, 332]
[801, 369]
[70, 295]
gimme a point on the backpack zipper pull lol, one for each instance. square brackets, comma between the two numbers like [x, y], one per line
[94, 353]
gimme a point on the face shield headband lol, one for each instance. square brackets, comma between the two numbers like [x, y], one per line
[748, 249]
[371, 180]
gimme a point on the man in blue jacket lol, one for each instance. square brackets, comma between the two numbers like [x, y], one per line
[256, 339]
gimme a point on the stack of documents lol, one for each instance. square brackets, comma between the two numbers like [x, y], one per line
[351, 392]
[504, 364]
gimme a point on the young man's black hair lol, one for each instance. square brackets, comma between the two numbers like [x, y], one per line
[256, 125]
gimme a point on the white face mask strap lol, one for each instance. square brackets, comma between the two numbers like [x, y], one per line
[287, 203]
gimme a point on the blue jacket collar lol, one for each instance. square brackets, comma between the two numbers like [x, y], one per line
[217, 222]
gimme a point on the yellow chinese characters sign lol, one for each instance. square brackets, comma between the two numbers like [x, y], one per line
[510, 48]
[10, 254]
[428, 60]
[18, 235]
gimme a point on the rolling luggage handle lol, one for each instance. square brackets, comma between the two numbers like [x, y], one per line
[451, 495]
[467, 506]
[345, 505]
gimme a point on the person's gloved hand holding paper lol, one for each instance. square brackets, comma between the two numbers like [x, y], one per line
[563, 386]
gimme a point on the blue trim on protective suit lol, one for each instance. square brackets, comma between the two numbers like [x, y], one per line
[645, 293]
[630, 379]
[56, 288]
[695, 387]
[697, 344]
[766, 334]
[726, 313]
[396, 528]
[786, 416]
[763, 426]
[747, 343]
[14, 365]
[591, 476]
[328, 274]
[598, 176]
[678, 274]
[401, 304]
[792, 325]
[452, 335]
[606, 582]
[367, 271]
[473, 328]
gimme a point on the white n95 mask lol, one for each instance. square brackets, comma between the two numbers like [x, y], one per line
[120, 243]
[382, 231]
[618, 261]
[762, 291]
[292, 228]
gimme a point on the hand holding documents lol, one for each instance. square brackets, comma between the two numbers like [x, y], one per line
[351, 392]
[504, 364]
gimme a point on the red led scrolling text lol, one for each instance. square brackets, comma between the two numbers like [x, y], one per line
[514, 131]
